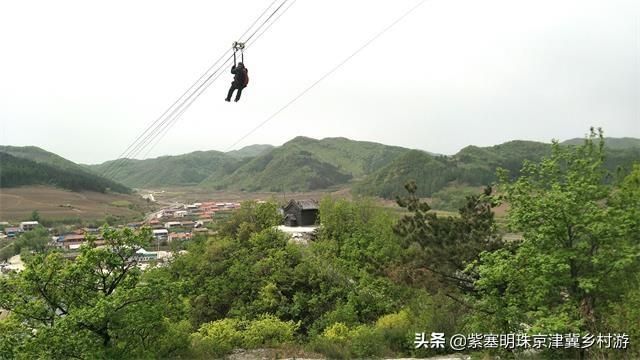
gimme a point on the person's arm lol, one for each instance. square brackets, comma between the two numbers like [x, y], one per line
[233, 69]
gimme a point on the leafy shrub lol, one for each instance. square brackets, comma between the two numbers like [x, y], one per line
[337, 331]
[217, 338]
[268, 331]
[367, 342]
[396, 331]
[339, 341]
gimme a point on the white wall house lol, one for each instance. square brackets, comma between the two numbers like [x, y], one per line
[28, 225]
[170, 224]
[161, 234]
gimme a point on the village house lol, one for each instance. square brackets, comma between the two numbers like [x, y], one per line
[143, 255]
[208, 207]
[161, 234]
[71, 241]
[179, 236]
[155, 224]
[181, 213]
[301, 213]
[28, 225]
[92, 231]
[168, 213]
[170, 224]
[188, 224]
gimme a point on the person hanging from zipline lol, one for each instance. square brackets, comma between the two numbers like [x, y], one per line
[240, 72]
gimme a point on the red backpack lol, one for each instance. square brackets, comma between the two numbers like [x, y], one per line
[246, 78]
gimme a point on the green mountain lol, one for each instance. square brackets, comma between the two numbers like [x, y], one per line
[308, 164]
[471, 166]
[250, 151]
[430, 173]
[611, 143]
[477, 165]
[304, 164]
[180, 170]
[41, 156]
[19, 171]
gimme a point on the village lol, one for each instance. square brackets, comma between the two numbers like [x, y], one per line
[172, 227]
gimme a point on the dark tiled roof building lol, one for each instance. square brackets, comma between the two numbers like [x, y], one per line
[301, 213]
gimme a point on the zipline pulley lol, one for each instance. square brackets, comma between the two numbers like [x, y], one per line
[238, 46]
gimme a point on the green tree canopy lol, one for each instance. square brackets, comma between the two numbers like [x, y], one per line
[98, 305]
[580, 249]
[440, 248]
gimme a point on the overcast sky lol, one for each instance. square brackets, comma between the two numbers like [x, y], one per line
[84, 78]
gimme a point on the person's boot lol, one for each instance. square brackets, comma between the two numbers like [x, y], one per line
[227, 99]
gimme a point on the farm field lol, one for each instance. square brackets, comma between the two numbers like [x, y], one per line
[17, 204]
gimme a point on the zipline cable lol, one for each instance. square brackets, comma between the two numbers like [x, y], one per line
[273, 22]
[124, 154]
[134, 148]
[404, 15]
[172, 118]
[129, 149]
[151, 136]
[184, 108]
[165, 131]
[264, 22]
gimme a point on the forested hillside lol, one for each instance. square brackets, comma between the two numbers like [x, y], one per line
[611, 143]
[187, 169]
[308, 164]
[472, 166]
[41, 156]
[250, 151]
[19, 171]
[305, 164]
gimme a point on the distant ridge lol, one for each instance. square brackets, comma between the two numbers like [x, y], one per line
[474, 166]
[181, 170]
[250, 151]
[41, 156]
[34, 166]
[304, 164]
[612, 143]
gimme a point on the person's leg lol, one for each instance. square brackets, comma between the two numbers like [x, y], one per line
[238, 94]
[230, 93]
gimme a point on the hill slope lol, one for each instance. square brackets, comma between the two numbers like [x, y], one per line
[471, 166]
[41, 156]
[430, 173]
[19, 171]
[308, 164]
[187, 169]
[611, 143]
[250, 151]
